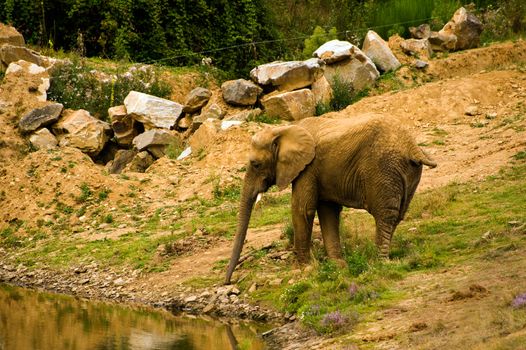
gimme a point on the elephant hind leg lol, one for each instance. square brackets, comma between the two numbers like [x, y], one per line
[329, 215]
[386, 224]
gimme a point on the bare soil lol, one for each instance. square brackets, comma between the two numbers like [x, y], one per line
[489, 83]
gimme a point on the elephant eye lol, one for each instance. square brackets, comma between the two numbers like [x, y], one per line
[255, 164]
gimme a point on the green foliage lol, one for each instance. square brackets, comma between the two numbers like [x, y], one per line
[265, 118]
[343, 95]
[176, 32]
[503, 20]
[174, 148]
[318, 38]
[77, 86]
[231, 192]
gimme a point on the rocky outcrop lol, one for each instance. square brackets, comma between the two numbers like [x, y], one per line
[288, 76]
[359, 71]
[322, 91]
[294, 105]
[11, 53]
[196, 99]
[153, 112]
[379, 52]
[240, 92]
[155, 141]
[121, 159]
[80, 130]
[466, 27]
[30, 80]
[139, 163]
[442, 41]
[204, 136]
[423, 31]
[43, 139]
[334, 51]
[40, 117]
[123, 125]
[418, 47]
[9, 35]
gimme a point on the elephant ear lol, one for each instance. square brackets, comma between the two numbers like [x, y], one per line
[295, 150]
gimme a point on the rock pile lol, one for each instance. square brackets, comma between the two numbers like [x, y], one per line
[141, 130]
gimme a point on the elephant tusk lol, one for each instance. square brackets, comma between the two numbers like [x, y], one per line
[258, 198]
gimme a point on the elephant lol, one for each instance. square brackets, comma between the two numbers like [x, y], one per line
[366, 162]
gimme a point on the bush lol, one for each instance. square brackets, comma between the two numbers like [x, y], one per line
[77, 86]
[318, 38]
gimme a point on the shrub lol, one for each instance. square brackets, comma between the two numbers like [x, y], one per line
[77, 86]
[318, 38]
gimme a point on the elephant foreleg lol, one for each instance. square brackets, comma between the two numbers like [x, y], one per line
[329, 215]
[304, 200]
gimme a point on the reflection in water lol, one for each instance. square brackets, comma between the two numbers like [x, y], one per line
[32, 320]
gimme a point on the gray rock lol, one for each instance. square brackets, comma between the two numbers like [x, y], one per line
[153, 112]
[418, 47]
[11, 53]
[240, 92]
[334, 51]
[466, 27]
[139, 163]
[294, 105]
[423, 31]
[379, 52]
[122, 158]
[43, 139]
[40, 117]
[420, 64]
[288, 76]
[196, 99]
[154, 141]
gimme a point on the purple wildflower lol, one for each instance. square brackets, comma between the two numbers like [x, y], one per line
[519, 301]
[334, 319]
[353, 289]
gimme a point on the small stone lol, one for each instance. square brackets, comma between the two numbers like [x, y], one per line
[253, 288]
[208, 308]
[421, 64]
[190, 299]
[119, 282]
[472, 110]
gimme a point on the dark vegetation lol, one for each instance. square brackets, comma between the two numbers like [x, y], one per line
[237, 34]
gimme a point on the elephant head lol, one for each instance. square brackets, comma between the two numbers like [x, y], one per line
[277, 156]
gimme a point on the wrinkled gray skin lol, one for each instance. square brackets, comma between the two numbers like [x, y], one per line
[365, 162]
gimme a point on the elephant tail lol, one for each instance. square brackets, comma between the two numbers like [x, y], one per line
[420, 157]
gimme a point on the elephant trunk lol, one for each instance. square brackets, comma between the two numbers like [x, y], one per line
[245, 210]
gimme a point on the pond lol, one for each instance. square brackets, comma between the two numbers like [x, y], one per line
[31, 320]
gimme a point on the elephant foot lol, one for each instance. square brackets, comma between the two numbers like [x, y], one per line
[341, 263]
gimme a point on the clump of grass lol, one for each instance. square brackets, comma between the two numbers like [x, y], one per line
[174, 148]
[85, 193]
[264, 118]
[343, 94]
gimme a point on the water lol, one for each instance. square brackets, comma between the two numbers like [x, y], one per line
[31, 320]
